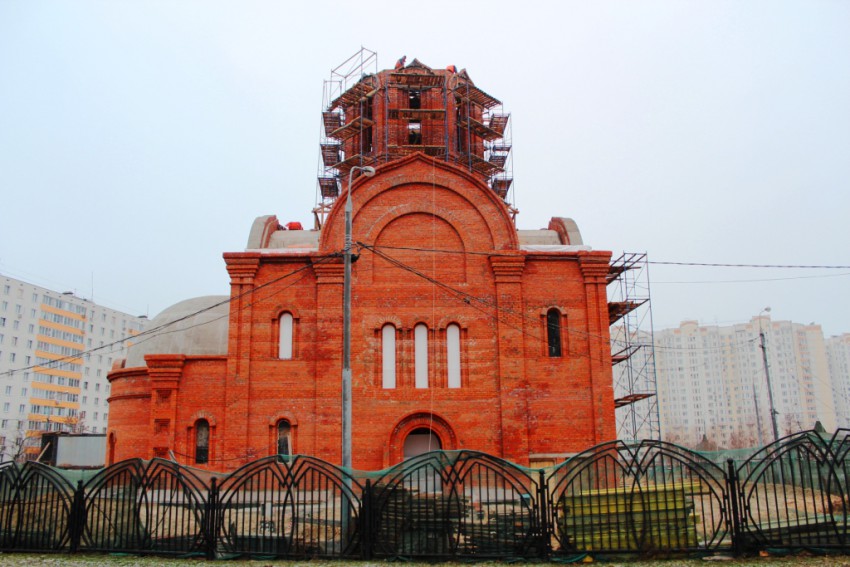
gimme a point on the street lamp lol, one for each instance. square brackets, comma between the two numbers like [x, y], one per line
[368, 171]
[767, 377]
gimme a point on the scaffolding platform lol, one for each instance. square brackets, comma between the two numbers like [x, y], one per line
[501, 186]
[329, 187]
[619, 309]
[330, 154]
[331, 121]
[479, 129]
[631, 399]
[344, 166]
[470, 92]
[479, 164]
[353, 128]
[353, 95]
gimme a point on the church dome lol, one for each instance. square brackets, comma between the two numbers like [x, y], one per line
[193, 326]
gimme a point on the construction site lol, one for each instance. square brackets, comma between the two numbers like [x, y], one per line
[371, 117]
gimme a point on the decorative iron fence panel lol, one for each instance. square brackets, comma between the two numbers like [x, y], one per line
[289, 507]
[36, 508]
[137, 507]
[646, 499]
[455, 504]
[796, 493]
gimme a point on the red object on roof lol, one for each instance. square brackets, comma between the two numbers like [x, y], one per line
[294, 226]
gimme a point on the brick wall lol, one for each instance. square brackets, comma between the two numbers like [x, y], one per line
[515, 401]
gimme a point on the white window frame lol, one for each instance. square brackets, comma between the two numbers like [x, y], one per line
[388, 356]
[453, 355]
[287, 326]
[420, 355]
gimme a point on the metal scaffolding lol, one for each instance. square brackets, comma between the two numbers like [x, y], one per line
[632, 351]
[371, 117]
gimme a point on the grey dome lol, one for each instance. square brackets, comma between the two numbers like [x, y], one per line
[201, 329]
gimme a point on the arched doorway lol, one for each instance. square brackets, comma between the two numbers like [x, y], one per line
[418, 433]
[421, 440]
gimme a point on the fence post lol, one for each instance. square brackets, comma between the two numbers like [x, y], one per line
[545, 541]
[732, 489]
[78, 517]
[366, 521]
[211, 519]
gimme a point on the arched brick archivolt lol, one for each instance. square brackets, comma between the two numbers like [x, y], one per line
[419, 420]
[459, 195]
[435, 233]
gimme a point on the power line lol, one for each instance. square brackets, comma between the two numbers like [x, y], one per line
[154, 330]
[491, 303]
[486, 304]
[659, 262]
[778, 266]
[756, 280]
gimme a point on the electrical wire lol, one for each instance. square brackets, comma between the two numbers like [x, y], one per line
[486, 304]
[658, 262]
[777, 266]
[755, 280]
[155, 330]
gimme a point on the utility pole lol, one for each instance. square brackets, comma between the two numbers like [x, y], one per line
[767, 378]
[368, 171]
[758, 416]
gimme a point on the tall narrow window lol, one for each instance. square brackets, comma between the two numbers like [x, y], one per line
[453, 355]
[553, 332]
[388, 357]
[285, 347]
[420, 354]
[414, 133]
[283, 441]
[202, 441]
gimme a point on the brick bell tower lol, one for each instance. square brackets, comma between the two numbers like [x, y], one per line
[371, 118]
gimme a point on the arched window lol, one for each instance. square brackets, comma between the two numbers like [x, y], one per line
[388, 356]
[421, 441]
[285, 343]
[202, 441]
[284, 444]
[553, 331]
[453, 355]
[420, 355]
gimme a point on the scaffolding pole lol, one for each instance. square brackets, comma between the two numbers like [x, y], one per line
[633, 353]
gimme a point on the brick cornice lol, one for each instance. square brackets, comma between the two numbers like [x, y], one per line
[165, 368]
[594, 266]
[242, 270]
[329, 273]
[507, 269]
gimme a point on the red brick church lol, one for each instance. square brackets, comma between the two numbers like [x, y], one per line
[467, 333]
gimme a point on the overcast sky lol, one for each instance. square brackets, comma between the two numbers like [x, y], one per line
[139, 140]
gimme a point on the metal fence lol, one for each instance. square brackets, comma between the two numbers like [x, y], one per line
[645, 499]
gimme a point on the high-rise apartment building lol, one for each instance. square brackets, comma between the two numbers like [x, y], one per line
[838, 358]
[712, 382]
[55, 352]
